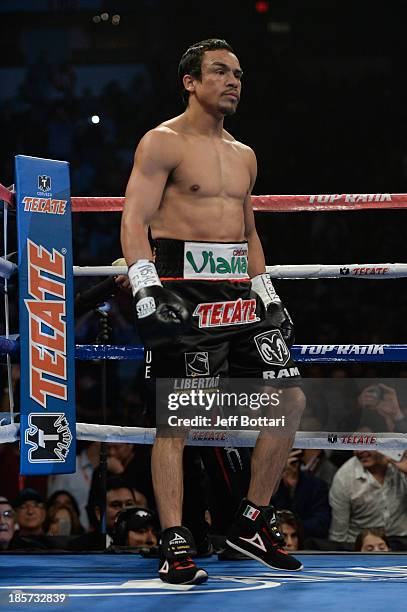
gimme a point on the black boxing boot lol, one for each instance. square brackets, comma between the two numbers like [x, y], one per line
[176, 565]
[255, 533]
[160, 313]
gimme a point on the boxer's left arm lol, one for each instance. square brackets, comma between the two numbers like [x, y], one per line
[256, 259]
[261, 281]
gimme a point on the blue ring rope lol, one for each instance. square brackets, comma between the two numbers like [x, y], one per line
[306, 353]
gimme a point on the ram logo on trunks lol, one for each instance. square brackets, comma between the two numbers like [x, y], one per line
[272, 348]
[49, 436]
[282, 373]
[47, 327]
[218, 314]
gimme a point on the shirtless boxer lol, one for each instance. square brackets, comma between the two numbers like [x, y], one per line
[191, 184]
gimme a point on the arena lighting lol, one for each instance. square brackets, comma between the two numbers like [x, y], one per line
[115, 20]
[104, 16]
[262, 6]
[95, 119]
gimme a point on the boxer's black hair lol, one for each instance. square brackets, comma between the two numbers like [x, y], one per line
[191, 61]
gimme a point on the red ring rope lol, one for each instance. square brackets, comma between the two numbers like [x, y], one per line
[266, 203]
[275, 203]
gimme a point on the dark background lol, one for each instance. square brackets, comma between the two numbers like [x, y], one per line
[323, 106]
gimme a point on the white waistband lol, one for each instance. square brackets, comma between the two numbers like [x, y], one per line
[209, 260]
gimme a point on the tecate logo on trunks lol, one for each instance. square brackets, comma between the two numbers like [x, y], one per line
[218, 314]
[207, 261]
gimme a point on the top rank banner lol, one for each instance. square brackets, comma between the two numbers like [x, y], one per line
[47, 392]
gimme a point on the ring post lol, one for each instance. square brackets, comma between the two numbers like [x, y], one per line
[47, 404]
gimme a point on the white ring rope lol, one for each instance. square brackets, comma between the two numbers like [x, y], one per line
[238, 438]
[289, 272]
[7, 269]
[10, 391]
[294, 271]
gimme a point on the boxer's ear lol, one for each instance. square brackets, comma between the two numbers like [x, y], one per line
[189, 82]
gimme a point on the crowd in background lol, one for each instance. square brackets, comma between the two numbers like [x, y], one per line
[325, 501]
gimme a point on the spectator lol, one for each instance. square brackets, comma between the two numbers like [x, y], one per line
[78, 484]
[381, 409]
[30, 510]
[316, 462]
[131, 463]
[369, 490]
[292, 530]
[372, 540]
[305, 495]
[136, 527]
[7, 523]
[64, 498]
[10, 471]
[62, 520]
[119, 495]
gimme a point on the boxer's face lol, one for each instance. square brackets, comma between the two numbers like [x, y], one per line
[220, 85]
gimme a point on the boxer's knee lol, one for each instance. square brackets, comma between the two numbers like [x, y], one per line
[171, 444]
[294, 399]
[298, 398]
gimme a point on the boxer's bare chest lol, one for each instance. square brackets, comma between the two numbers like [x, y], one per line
[211, 169]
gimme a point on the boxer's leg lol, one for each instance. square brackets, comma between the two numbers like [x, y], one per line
[166, 467]
[176, 542]
[261, 353]
[270, 453]
[195, 355]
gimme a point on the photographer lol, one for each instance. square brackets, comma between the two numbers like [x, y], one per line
[305, 495]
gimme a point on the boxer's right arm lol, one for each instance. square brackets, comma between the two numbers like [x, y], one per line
[156, 156]
[159, 312]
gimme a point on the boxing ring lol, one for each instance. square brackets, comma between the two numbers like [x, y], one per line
[129, 577]
[372, 583]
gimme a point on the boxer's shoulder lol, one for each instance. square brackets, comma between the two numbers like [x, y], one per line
[161, 135]
[245, 151]
[228, 137]
[161, 144]
[174, 127]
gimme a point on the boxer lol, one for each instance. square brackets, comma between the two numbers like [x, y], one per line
[204, 304]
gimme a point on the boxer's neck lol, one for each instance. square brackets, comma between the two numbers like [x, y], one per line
[203, 122]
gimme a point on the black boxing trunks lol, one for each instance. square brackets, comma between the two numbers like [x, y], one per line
[230, 336]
